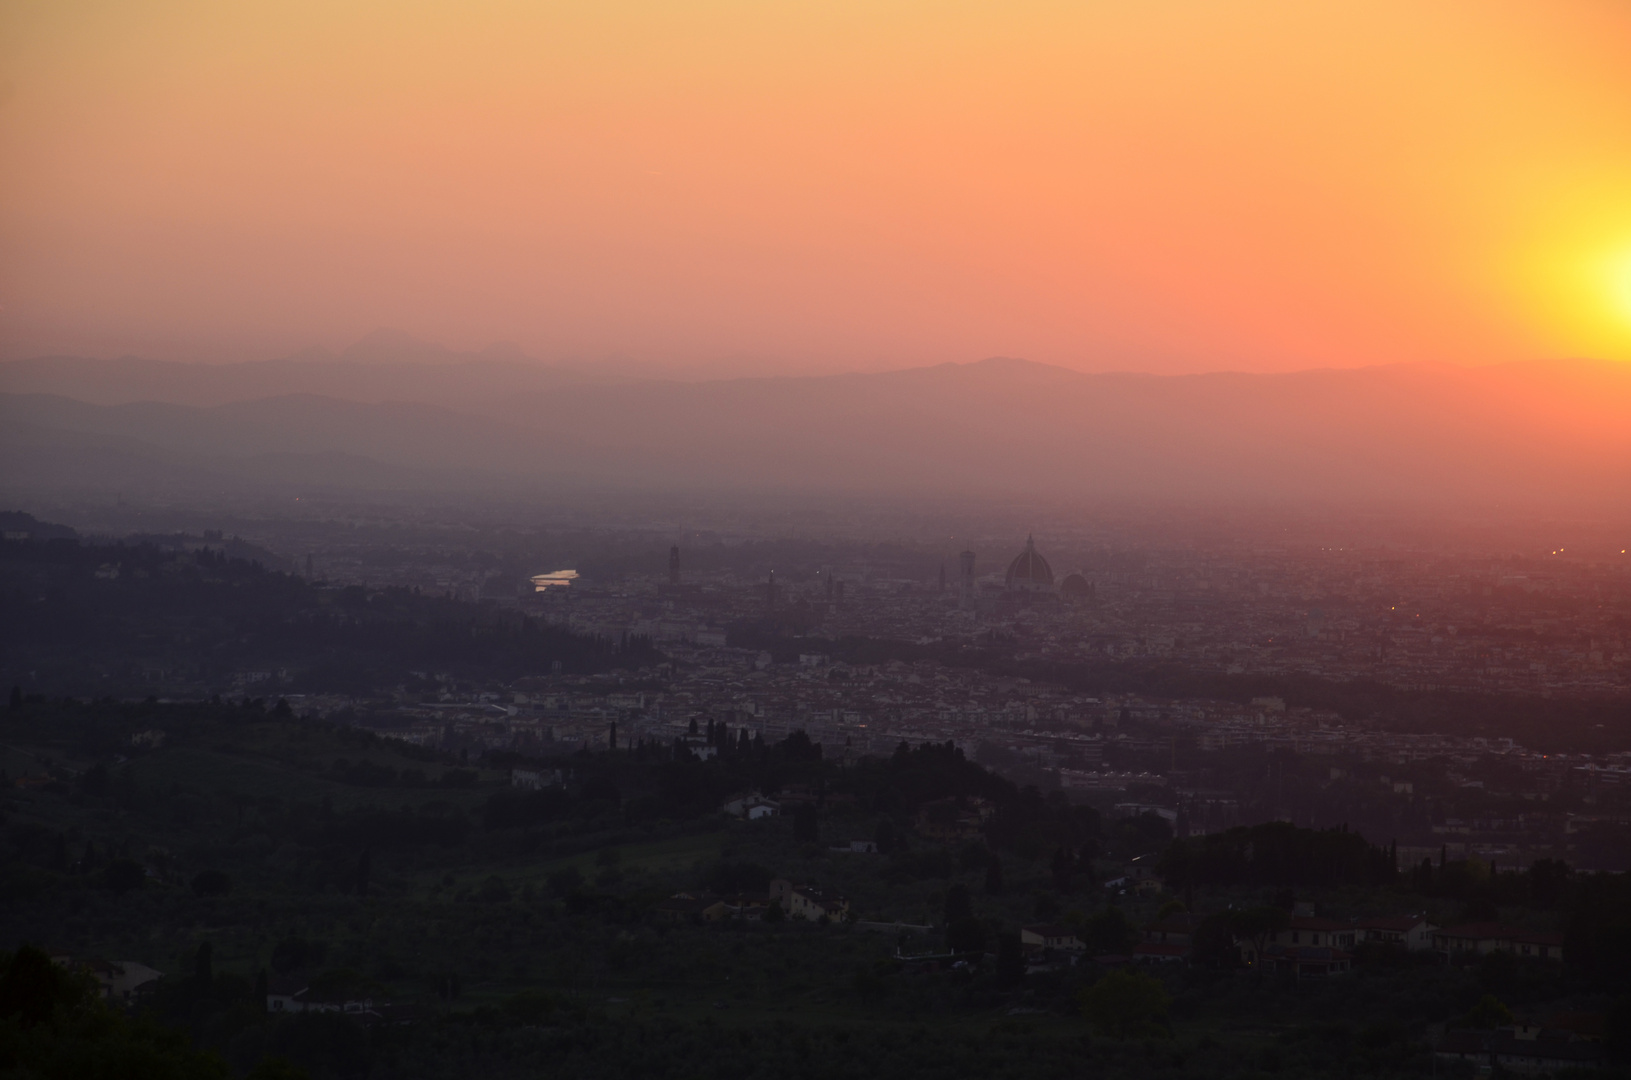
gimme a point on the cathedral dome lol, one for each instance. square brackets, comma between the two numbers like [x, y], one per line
[1029, 571]
[1076, 586]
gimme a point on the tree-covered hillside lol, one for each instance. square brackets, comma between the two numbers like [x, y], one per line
[124, 619]
[504, 931]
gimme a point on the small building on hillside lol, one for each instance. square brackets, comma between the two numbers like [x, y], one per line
[1060, 936]
[752, 807]
[808, 902]
[1168, 940]
[1480, 939]
[1140, 878]
[857, 847]
[287, 995]
[1306, 961]
[1523, 1047]
[1302, 933]
[122, 981]
[954, 818]
[1146, 952]
[745, 906]
[536, 779]
[1175, 929]
[1412, 932]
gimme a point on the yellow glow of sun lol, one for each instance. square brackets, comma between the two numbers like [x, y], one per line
[1619, 284]
[1571, 277]
[1583, 297]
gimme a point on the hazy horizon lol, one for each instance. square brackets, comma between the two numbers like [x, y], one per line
[1525, 435]
[1363, 254]
[821, 188]
[389, 345]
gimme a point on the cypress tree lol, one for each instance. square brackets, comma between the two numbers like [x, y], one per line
[204, 966]
[1010, 958]
[1063, 868]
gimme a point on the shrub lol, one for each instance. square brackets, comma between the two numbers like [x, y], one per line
[1126, 1005]
[1488, 1013]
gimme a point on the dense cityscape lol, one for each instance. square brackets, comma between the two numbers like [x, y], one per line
[1539, 625]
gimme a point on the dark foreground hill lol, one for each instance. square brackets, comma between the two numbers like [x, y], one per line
[482, 930]
[177, 616]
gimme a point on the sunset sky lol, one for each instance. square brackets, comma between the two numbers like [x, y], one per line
[1167, 185]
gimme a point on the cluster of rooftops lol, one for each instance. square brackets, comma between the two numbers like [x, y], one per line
[1308, 946]
[792, 901]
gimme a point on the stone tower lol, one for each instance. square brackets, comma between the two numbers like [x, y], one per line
[965, 580]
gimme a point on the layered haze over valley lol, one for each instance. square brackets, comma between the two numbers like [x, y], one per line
[395, 413]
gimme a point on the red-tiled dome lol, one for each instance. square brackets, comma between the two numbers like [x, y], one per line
[1030, 570]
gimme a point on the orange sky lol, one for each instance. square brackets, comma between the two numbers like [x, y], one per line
[1167, 185]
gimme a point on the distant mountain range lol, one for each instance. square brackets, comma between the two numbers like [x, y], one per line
[1554, 432]
[378, 368]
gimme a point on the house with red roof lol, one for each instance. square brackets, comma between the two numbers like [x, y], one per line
[1480, 939]
[1306, 961]
[1059, 936]
[1412, 932]
[1168, 940]
[1302, 933]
